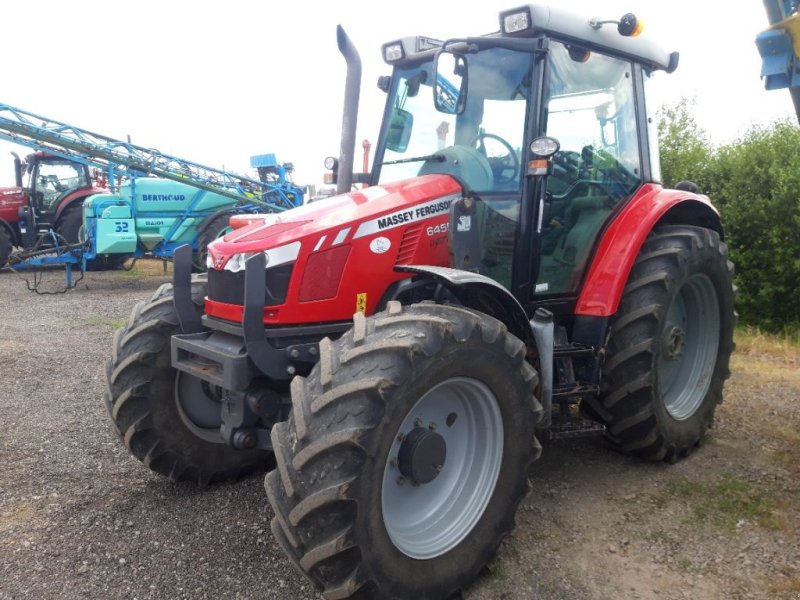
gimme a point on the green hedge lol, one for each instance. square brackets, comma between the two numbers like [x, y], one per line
[755, 183]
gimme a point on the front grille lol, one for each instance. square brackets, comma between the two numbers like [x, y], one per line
[228, 287]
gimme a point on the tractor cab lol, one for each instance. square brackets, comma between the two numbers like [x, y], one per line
[471, 107]
[49, 180]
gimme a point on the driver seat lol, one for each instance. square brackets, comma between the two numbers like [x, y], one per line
[468, 166]
[582, 220]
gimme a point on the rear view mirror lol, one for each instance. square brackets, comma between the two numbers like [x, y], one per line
[450, 85]
[399, 131]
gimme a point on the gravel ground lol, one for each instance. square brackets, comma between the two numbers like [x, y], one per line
[80, 518]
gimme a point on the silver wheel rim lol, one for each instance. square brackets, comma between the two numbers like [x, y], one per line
[689, 344]
[201, 414]
[429, 519]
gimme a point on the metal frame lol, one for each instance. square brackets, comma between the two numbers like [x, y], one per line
[97, 150]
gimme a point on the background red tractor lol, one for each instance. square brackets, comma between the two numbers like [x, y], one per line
[518, 267]
[49, 194]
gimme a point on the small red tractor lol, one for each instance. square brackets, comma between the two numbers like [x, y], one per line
[514, 268]
[48, 195]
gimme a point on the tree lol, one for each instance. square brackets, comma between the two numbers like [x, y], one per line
[755, 182]
[683, 145]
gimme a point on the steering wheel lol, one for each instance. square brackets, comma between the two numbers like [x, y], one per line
[505, 169]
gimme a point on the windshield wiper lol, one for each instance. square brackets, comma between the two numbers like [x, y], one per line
[433, 157]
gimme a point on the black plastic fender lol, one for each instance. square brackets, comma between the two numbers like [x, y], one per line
[481, 293]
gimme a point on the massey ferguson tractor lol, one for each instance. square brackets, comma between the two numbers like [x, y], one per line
[514, 268]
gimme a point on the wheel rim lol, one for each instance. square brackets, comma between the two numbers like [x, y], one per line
[689, 343]
[425, 520]
[197, 407]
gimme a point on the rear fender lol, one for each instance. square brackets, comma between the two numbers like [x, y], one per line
[76, 197]
[480, 293]
[623, 238]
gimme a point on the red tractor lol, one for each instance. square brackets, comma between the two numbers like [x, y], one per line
[49, 194]
[514, 265]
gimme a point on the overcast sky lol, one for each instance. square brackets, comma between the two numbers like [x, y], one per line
[216, 82]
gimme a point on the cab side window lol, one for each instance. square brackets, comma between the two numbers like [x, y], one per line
[591, 111]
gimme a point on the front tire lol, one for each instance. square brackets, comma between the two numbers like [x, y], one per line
[670, 345]
[5, 246]
[168, 419]
[406, 453]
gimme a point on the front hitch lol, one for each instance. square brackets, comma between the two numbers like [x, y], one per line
[230, 359]
[269, 360]
[182, 290]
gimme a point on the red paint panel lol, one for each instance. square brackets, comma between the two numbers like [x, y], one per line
[262, 233]
[375, 248]
[10, 201]
[621, 243]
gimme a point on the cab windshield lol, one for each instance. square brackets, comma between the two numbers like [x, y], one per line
[482, 147]
[53, 178]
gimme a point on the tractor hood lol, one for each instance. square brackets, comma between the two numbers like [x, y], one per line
[7, 192]
[362, 214]
[11, 199]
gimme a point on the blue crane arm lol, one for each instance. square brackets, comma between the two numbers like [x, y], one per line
[779, 47]
[116, 156]
[448, 92]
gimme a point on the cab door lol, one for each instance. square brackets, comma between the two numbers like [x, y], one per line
[590, 107]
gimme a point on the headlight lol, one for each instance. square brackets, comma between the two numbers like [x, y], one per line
[544, 147]
[237, 262]
[393, 52]
[515, 21]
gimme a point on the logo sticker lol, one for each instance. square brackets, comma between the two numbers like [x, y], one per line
[464, 223]
[419, 212]
[380, 245]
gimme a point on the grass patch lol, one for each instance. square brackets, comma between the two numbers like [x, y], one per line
[767, 356]
[726, 502]
[751, 340]
[496, 571]
[147, 267]
[107, 321]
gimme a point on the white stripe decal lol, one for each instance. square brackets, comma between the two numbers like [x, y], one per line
[320, 242]
[282, 254]
[407, 215]
[341, 236]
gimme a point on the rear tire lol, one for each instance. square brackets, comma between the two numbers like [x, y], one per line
[670, 345]
[216, 229]
[342, 513]
[70, 223]
[150, 403]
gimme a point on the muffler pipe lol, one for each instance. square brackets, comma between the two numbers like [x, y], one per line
[352, 90]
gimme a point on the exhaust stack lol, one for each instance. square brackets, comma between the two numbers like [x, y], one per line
[352, 90]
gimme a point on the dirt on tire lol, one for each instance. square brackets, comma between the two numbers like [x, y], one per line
[81, 518]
